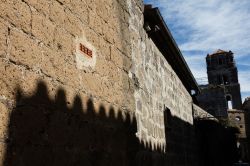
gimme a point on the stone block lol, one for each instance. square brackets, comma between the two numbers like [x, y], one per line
[2, 152]
[53, 64]
[104, 67]
[57, 13]
[42, 28]
[72, 75]
[120, 59]
[3, 41]
[10, 76]
[41, 6]
[30, 80]
[105, 49]
[104, 9]
[94, 38]
[24, 50]
[109, 32]
[64, 42]
[80, 9]
[72, 23]
[18, 13]
[96, 23]
[93, 84]
[16, 76]
[4, 120]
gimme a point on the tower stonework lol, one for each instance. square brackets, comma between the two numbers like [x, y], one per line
[222, 70]
[222, 75]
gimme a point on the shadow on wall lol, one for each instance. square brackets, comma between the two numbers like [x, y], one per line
[47, 132]
[217, 143]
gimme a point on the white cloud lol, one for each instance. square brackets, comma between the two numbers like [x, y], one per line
[244, 78]
[210, 24]
[205, 26]
[197, 64]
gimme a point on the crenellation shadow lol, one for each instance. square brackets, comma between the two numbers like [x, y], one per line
[44, 131]
[52, 132]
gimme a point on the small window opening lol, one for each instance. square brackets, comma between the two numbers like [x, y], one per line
[225, 80]
[229, 102]
[220, 61]
[238, 118]
[193, 92]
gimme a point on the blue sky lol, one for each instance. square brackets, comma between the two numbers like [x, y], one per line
[201, 27]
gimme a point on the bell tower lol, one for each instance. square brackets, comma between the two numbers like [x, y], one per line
[222, 71]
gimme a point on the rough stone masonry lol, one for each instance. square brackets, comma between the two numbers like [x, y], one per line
[92, 50]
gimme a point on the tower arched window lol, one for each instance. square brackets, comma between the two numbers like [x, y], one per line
[229, 102]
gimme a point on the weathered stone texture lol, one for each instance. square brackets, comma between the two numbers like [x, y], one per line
[38, 43]
[237, 119]
[3, 41]
[128, 77]
[223, 85]
[42, 38]
[17, 13]
[201, 114]
[158, 86]
[4, 116]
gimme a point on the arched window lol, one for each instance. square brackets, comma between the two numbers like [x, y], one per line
[229, 102]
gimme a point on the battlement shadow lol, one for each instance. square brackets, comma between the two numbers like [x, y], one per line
[44, 131]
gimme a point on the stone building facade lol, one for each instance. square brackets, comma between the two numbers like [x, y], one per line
[223, 91]
[222, 97]
[93, 83]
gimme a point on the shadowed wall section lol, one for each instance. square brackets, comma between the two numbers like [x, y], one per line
[217, 143]
[48, 132]
[44, 131]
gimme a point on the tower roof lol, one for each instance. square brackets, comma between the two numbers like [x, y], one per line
[219, 51]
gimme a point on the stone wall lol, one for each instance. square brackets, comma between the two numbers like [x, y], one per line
[40, 45]
[237, 119]
[199, 113]
[76, 76]
[212, 99]
[163, 105]
[158, 88]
